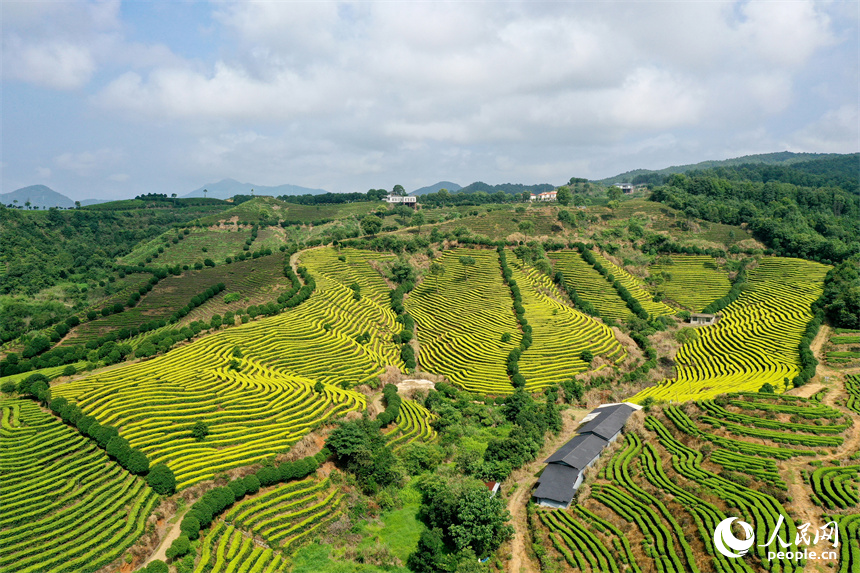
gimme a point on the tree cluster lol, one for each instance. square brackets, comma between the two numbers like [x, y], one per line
[517, 379]
[360, 447]
[463, 520]
[392, 405]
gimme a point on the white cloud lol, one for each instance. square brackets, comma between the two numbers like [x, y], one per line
[88, 162]
[316, 92]
[43, 172]
[119, 177]
[837, 131]
[58, 65]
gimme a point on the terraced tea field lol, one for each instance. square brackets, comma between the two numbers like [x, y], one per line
[692, 281]
[413, 423]
[287, 514]
[756, 342]
[460, 324]
[253, 412]
[590, 284]
[66, 506]
[258, 280]
[656, 502]
[634, 286]
[560, 333]
[197, 246]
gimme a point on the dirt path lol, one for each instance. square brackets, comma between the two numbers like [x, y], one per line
[525, 479]
[172, 534]
[831, 379]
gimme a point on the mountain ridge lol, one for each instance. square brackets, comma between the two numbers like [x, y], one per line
[228, 187]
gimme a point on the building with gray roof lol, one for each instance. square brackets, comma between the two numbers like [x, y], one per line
[565, 468]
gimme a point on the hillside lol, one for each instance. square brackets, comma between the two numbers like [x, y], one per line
[202, 386]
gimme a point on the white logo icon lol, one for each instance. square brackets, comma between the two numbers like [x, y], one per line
[725, 541]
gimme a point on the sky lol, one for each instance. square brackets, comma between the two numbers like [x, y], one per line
[112, 99]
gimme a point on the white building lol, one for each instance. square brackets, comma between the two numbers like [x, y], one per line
[402, 200]
[545, 196]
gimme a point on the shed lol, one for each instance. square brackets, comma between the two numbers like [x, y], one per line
[606, 421]
[702, 319]
[557, 485]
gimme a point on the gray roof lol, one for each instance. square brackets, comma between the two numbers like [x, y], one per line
[609, 421]
[556, 483]
[578, 452]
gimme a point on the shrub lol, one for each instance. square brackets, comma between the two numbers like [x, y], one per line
[161, 479]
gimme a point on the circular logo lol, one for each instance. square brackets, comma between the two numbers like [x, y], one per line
[725, 541]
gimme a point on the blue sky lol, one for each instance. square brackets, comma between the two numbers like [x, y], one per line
[109, 99]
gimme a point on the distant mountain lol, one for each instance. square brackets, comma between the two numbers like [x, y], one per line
[38, 196]
[510, 188]
[649, 175]
[227, 188]
[86, 202]
[450, 186]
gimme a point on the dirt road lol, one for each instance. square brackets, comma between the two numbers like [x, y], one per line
[831, 379]
[172, 533]
[525, 479]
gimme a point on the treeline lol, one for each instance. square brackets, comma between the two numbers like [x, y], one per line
[392, 405]
[403, 274]
[216, 501]
[159, 477]
[335, 198]
[513, 367]
[841, 299]
[840, 171]
[634, 305]
[818, 223]
[507, 188]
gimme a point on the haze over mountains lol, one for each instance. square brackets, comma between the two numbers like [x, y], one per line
[227, 188]
[41, 196]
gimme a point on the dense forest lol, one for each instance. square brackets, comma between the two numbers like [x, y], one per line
[807, 210]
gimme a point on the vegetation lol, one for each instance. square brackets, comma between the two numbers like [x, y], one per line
[263, 369]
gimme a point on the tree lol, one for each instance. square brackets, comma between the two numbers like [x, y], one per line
[138, 463]
[157, 566]
[205, 191]
[429, 556]
[467, 262]
[371, 224]
[119, 449]
[180, 546]
[614, 193]
[586, 356]
[190, 526]
[77, 204]
[526, 227]
[200, 430]
[437, 270]
[563, 195]
[418, 220]
[161, 479]
[398, 190]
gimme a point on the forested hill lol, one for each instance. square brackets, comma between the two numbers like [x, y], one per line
[510, 188]
[808, 210]
[643, 176]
